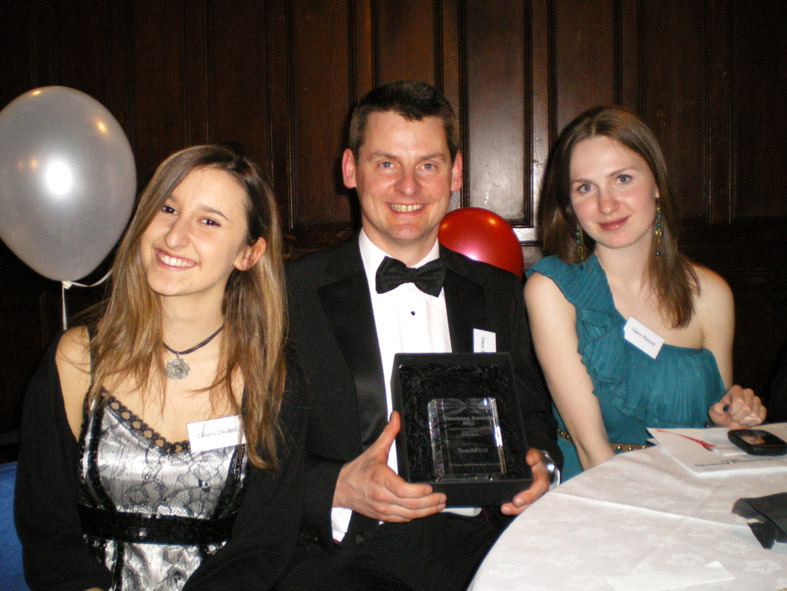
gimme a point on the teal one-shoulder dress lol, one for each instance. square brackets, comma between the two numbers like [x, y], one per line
[634, 390]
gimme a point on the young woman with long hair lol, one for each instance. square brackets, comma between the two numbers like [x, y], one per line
[630, 334]
[162, 439]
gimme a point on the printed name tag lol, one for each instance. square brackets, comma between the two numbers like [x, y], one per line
[484, 341]
[215, 433]
[642, 337]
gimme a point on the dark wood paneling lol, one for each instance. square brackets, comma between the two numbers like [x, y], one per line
[675, 95]
[195, 71]
[628, 54]
[452, 66]
[320, 95]
[280, 56]
[238, 76]
[541, 126]
[158, 92]
[583, 54]
[497, 154]
[17, 49]
[759, 49]
[719, 192]
[279, 76]
[80, 60]
[406, 40]
[363, 50]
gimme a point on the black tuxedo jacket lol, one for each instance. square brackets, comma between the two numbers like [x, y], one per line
[332, 328]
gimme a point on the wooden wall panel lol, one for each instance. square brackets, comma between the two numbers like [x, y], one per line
[238, 75]
[453, 37]
[364, 49]
[406, 40]
[280, 75]
[320, 97]
[76, 55]
[583, 54]
[674, 95]
[541, 126]
[759, 50]
[158, 92]
[719, 189]
[628, 55]
[194, 69]
[497, 151]
[279, 163]
[17, 49]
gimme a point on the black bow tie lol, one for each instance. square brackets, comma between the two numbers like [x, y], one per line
[392, 273]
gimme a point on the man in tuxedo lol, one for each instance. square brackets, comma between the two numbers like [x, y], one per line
[366, 528]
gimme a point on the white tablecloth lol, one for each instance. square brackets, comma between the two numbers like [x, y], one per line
[640, 512]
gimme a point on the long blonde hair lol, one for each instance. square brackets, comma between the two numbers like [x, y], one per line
[671, 275]
[129, 338]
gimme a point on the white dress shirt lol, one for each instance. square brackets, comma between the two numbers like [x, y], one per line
[408, 321]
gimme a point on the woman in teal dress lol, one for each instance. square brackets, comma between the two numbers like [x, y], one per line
[630, 334]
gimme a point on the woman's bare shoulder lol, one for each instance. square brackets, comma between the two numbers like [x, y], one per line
[548, 310]
[73, 348]
[715, 295]
[538, 285]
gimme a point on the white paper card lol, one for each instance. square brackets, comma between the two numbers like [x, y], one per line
[214, 433]
[642, 337]
[484, 341]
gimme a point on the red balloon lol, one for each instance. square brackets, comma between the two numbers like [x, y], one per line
[484, 236]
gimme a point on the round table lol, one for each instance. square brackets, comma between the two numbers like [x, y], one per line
[634, 522]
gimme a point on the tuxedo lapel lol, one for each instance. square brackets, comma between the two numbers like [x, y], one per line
[348, 308]
[465, 305]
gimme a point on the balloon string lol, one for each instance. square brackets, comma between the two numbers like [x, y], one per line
[64, 285]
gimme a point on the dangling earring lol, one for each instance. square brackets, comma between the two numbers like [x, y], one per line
[582, 252]
[658, 230]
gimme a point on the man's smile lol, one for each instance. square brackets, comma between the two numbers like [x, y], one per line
[402, 208]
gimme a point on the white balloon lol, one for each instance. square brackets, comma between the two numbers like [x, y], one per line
[67, 181]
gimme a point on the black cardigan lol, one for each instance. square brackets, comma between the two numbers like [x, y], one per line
[55, 555]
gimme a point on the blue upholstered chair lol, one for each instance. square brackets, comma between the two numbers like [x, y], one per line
[11, 577]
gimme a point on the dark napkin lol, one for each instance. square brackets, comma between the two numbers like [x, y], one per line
[767, 517]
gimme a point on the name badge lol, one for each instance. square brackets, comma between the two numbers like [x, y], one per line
[215, 433]
[642, 337]
[484, 341]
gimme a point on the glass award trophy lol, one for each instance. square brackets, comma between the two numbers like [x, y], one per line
[466, 440]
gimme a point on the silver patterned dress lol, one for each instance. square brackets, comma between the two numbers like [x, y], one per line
[150, 509]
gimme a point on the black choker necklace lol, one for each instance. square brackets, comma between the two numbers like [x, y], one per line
[177, 369]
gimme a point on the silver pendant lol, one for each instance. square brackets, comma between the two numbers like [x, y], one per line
[177, 369]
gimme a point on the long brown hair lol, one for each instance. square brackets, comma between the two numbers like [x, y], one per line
[129, 331]
[671, 275]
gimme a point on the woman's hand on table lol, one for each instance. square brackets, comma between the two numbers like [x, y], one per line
[538, 487]
[739, 408]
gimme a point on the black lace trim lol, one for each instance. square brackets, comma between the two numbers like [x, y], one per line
[140, 427]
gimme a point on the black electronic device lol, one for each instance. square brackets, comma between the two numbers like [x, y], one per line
[758, 442]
